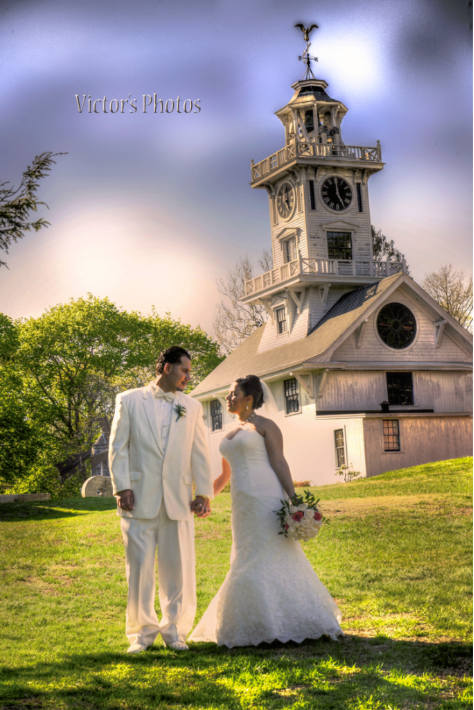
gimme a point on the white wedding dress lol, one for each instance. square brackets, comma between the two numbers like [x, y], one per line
[271, 592]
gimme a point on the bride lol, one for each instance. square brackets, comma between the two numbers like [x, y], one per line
[271, 591]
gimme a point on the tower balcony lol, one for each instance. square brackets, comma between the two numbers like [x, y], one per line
[305, 272]
[314, 153]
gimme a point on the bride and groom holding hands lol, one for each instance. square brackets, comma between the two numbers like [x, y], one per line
[158, 450]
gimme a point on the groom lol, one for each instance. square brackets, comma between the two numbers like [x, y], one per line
[158, 448]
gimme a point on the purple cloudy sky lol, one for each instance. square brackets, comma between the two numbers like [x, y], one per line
[150, 209]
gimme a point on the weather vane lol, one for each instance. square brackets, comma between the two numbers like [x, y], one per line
[307, 58]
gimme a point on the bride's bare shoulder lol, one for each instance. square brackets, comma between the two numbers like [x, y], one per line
[268, 425]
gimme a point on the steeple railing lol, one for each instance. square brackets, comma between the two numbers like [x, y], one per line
[304, 149]
[325, 268]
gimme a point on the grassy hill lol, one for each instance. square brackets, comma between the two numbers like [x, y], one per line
[396, 555]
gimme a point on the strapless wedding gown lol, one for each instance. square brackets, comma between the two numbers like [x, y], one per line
[271, 591]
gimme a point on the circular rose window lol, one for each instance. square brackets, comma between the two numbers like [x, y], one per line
[396, 325]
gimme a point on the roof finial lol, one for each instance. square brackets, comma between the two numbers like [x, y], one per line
[307, 58]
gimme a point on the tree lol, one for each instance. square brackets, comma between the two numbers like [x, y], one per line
[21, 438]
[385, 250]
[64, 369]
[16, 205]
[234, 320]
[453, 292]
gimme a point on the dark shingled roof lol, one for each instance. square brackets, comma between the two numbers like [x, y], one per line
[317, 92]
[245, 359]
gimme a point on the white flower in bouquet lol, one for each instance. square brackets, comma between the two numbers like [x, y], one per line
[299, 517]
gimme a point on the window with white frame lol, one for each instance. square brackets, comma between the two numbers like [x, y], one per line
[292, 396]
[289, 250]
[282, 325]
[340, 447]
[216, 415]
[339, 245]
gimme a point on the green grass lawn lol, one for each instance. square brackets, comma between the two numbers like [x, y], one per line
[396, 555]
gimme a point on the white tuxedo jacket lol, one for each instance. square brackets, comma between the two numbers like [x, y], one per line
[137, 460]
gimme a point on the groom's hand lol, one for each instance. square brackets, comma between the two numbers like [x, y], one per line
[201, 507]
[125, 500]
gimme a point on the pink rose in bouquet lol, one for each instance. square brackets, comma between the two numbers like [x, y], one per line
[298, 516]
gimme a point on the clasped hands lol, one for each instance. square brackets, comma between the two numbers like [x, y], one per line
[200, 506]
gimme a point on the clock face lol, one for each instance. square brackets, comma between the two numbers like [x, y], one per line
[336, 194]
[285, 200]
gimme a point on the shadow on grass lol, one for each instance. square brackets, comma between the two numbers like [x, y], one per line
[330, 674]
[50, 509]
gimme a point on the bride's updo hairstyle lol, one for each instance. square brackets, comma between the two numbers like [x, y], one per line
[251, 386]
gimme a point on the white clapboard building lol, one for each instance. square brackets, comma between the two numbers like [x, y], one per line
[347, 337]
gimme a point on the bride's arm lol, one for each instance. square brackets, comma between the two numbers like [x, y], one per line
[223, 479]
[274, 444]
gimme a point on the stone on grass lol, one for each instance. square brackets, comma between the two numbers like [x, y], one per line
[97, 487]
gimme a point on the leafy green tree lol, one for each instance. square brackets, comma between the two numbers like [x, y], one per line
[385, 250]
[65, 368]
[79, 355]
[9, 339]
[17, 204]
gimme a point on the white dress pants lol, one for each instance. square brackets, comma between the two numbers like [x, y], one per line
[176, 572]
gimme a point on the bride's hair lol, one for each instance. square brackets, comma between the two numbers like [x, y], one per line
[251, 386]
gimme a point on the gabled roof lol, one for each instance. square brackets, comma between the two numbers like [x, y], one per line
[338, 323]
[245, 359]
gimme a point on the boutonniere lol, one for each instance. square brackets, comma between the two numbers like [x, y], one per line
[180, 410]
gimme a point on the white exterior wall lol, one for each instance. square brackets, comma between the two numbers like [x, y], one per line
[309, 443]
[315, 219]
[298, 327]
[297, 223]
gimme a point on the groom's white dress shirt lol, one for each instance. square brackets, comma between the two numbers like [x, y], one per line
[164, 409]
[158, 454]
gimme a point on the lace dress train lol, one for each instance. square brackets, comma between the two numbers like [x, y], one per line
[271, 591]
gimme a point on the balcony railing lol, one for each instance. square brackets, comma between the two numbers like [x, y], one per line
[323, 267]
[317, 150]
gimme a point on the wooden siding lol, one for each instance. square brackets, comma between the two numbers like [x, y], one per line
[359, 391]
[361, 239]
[297, 222]
[422, 350]
[298, 330]
[422, 440]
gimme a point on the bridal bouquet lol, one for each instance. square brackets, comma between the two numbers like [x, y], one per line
[300, 517]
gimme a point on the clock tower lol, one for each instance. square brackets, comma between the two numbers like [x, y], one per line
[367, 371]
[319, 212]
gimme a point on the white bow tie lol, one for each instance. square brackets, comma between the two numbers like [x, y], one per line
[159, 394]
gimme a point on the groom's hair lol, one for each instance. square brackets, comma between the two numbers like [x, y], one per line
[171, 355]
